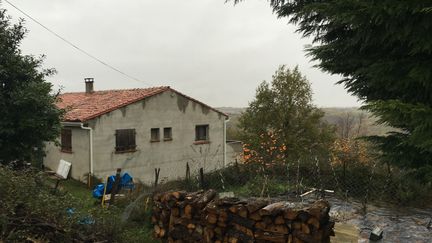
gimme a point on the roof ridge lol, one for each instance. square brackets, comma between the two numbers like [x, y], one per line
[116, 90]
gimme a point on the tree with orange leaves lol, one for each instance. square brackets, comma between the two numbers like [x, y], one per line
[281, 124]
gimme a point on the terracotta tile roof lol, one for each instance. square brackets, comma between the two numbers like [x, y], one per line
[81, 106]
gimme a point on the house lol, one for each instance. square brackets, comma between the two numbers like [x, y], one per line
[138, 130]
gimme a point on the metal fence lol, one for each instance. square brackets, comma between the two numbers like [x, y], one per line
[364, 183]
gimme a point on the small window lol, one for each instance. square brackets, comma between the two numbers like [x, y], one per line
[167, 133]
[155, 135]
[202, 133]
[125, 140]
[66, 140]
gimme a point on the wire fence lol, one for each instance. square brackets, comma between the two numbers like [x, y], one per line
[365, 183]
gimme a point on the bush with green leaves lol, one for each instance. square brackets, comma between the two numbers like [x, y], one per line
[282, 115]
[29, 116]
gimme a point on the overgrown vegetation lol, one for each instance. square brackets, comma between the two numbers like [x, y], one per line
[31, 211]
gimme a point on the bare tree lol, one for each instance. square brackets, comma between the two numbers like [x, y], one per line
[345, 125]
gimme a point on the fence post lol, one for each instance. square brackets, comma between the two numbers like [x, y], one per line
[237, 167]
[298, 178]
[157, 171]
[187, 171]
[344, 175]
[115, 186]
[201, 177]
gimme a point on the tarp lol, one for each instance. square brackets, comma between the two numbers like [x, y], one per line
[126, 182]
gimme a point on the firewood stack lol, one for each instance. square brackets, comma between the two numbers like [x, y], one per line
[178, 215]
[202, 217]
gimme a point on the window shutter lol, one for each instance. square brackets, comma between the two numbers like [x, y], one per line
[66, 140]
[125, 140]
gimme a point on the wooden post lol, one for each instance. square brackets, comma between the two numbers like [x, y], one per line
[237, 167]
[157, 171]
[89, 179]
[115, 186]
[56, 185]
[201, 177]
[187, 171]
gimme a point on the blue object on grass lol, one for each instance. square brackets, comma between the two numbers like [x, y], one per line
[70, 212]
[126, 182]
[98, 190]
[87, 220]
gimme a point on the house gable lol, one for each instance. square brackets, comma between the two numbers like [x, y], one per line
[82, 106]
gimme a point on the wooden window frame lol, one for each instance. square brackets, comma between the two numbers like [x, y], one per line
[199, 139]
[167, 134]
[125, 140]
[152, 131]
[66, 140]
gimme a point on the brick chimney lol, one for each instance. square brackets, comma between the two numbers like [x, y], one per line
[89, 85]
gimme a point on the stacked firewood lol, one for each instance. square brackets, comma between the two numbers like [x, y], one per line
[201, 217]
[178, 215]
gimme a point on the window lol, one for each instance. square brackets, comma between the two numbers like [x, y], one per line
[167, 133]
[66, 140]
[202, 133]
[154, 135]
[125, 140]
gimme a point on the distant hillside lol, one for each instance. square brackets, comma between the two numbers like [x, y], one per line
[369, 126]
[232, 110]
[334, 116]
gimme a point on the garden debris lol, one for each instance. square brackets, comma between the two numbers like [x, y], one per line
[376, 234]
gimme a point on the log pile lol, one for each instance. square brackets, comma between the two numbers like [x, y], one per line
[202, 217]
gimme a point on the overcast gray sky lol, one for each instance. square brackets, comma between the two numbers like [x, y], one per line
[208, 49]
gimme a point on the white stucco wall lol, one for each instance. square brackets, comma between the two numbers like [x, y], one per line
[79, 156]
[234, 152]
[167, 109]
